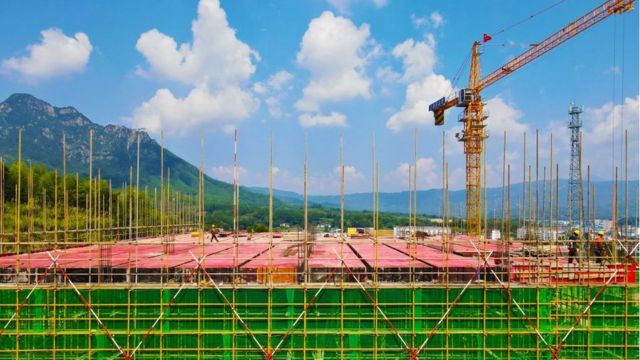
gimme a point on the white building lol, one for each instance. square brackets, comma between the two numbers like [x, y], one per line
[405, 231]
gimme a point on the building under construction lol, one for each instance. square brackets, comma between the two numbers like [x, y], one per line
[121, 276]
[269, 295]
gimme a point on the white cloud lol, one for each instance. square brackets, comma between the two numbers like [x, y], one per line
[278, 80]
[55, 55]
[415, 110]
[418, 58]
[603, 132]
[274, 89]
[344, 6]
[387, 74]
[504, 117]
[274, 107]
[380, 3]
[427, 175]
[199, 109]
[216, 63]
[333, 49]
[418, 21]
[351, 174]
[260, 88]
[225, 172]
[333, 119]
[215, 57]
[434, 20]
[424, 86]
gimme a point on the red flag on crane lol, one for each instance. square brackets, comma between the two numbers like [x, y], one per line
[486, 37]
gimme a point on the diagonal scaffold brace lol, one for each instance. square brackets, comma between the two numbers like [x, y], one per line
[228, 303]
[304, 311]
[453, 304]
[171, 302]
[511, 298]
[24, 301]
[558, 348]
[373, 303]
[89, 307]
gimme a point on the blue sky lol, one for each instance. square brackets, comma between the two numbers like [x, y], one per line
[326, 68]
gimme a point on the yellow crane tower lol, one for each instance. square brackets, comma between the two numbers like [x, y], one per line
[470, 99]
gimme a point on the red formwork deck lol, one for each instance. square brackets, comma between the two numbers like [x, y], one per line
[279, 256]
[334, 253]
[437, 258]
[254, 254]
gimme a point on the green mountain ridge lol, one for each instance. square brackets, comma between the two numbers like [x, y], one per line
[430, 201]
[114, 155]
[114, 150]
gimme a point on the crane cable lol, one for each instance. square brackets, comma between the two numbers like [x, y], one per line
[613, 98]
[456, 77]
[516, 24]
[487, 37]
[622, 125]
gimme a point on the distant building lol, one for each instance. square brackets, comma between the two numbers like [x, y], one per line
[529, 233]
[496, 234]
[405, 231]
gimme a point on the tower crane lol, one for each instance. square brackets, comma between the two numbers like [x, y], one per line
[470, 98]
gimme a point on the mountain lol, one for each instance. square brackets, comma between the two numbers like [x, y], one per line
[114, 149]
[430, 201]
[114, 152]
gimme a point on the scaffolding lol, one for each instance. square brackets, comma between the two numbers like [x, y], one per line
[131, 276]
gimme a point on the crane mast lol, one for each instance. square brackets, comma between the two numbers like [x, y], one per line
[473, 116]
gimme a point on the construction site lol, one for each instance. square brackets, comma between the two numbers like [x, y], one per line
[136, 276]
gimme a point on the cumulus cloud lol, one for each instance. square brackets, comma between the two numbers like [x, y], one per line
[418, 58]
[387, 74]
[225, 172]
[436, 19]
[504, 117]
[200, 108]
[433, 20]
[55, 55]
[344, 6]
[274, 89]
[216, 63]
[215, 57]
[278, 80]
[351, 174]
[603, 133]
[427, 175]
[424, 85]
[334, 51]
[333, 119]
[419, 95]
[274, 107]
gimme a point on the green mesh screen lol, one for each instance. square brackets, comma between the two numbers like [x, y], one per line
[341, 323]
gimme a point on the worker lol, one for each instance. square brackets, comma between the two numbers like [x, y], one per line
[573, 246]
[598, 247]
[214, 231]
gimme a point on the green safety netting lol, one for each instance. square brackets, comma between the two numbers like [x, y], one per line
[342, 323]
